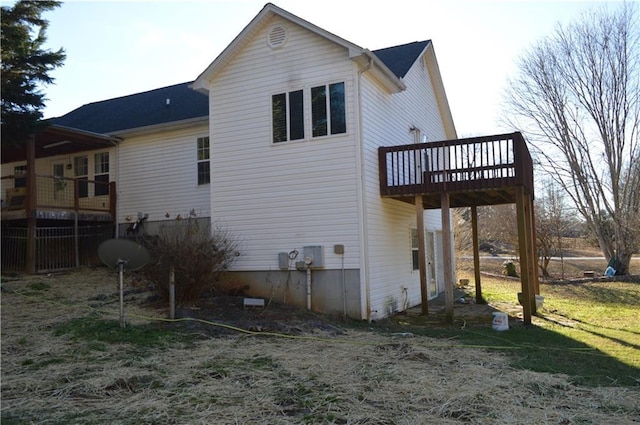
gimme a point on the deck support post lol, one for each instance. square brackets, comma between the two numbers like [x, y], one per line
[31, 205]
[446, 256]
[524, 243]
[422, 255]
[476, 254]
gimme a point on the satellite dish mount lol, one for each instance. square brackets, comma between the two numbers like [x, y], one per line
[123, 254]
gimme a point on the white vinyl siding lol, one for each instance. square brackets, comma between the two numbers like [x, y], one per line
[387, 119]
[283, 196]
[158, 176]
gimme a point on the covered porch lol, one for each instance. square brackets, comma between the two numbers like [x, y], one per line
[468, 172]
[49, 220]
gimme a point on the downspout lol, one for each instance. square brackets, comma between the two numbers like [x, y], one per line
[364, 239]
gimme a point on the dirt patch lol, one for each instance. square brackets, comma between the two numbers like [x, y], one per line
[300, 368]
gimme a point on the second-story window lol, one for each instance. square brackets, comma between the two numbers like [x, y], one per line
[287, 115]
[328, 114]
[101, 173]
[204, 170]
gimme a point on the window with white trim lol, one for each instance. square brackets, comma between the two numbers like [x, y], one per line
[415, 256]
[81, 173]
[204, 167]
[101, 173]
[287, 116]
[328, 115]
[20, 176]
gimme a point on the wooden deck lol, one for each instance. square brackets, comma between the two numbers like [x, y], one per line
[469, 172]
[473, 171]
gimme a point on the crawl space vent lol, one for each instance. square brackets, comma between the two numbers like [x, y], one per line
[277, 37]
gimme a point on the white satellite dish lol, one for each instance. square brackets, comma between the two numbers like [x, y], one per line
[123, 254]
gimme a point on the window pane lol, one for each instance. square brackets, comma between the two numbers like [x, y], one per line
[296, 117]
[415, 264]
[102, 185]
[83, 187]
[101, 163]
[203, 148]
[279, 117]
[81, 166]
[204, 176]
[20, 173]
[319, 111]
[338, 118]
[414, 238]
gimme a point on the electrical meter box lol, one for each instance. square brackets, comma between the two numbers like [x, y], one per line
[315, 254]
[283, 260]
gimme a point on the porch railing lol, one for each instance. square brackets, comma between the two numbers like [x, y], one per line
[472, 164]
[59, 193]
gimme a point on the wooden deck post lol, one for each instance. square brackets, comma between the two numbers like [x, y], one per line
[533, 264]
[31, 204]
[422, 256]
[476, 254]
[525, 254]
[534, 246]
[446, 256]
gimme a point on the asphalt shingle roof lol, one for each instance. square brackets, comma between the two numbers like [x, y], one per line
[150, 107]
[138, 110]
[400, 58]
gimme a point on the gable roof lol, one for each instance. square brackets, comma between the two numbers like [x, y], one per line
[355, 52]
[400, 58]
[138, 110]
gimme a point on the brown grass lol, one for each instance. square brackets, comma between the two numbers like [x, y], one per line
[356, 377]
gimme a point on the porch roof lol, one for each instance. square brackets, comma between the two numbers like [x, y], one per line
[59, 140]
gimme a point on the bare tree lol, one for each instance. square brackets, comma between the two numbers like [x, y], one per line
[577, 97]
[552, 225]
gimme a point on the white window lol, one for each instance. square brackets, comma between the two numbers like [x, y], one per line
[287, 115]
[81, 173]
[20, 176]
[328, 114]
[204, 170]
[415, 258]
[101, 173]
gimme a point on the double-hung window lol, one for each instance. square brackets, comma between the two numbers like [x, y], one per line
[287, 115]
[415, 257]
[20, 173]
[204, 170]
[328, 110]
[81, 173]
[101, 173]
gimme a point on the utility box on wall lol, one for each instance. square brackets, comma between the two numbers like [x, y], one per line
[315, 254]
[283, 260]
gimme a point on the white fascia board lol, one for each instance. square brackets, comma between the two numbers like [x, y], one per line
[269, 10]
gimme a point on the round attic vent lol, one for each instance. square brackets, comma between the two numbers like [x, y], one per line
[277, 37]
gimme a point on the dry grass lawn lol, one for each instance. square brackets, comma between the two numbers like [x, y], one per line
[55, 372]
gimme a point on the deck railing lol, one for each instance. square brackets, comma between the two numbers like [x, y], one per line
[478, 163]
[59, 193]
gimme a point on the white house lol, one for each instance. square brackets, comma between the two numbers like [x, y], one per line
[277, 141]
[296, 115]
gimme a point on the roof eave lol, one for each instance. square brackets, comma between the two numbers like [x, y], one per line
[382, 73]
[173, 125]
[441, 95]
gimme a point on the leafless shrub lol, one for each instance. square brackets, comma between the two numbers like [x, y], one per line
[199, 255]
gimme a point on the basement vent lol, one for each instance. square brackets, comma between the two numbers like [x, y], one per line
[277, 37]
